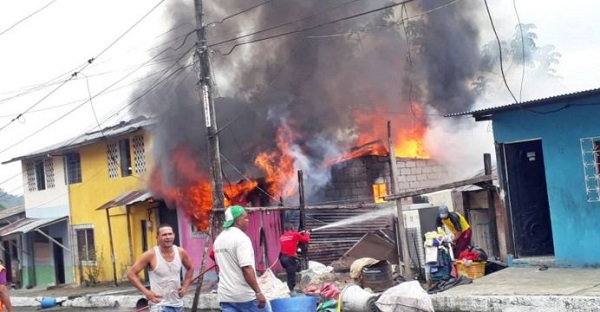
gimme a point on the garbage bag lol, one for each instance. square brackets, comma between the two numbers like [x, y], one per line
[408, 296]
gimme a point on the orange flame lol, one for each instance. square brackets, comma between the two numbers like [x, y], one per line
[279, 165]
[192, 191]
[408, 131]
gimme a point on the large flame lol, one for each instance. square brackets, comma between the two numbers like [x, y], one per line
[408, 131]
[190, 190]
[279, 165]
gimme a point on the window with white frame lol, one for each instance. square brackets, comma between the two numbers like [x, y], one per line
[590, 153]
[86, 248]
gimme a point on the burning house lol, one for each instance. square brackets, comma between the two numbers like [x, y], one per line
[298, 104]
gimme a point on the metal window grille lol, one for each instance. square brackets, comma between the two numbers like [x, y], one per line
[31, 182]
[139, 154]
[590, 154]
[112, 152]
[49, 170]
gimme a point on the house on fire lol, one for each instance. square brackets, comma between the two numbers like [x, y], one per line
[548, 156]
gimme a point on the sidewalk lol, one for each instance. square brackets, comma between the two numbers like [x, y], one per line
[101, 296]
[509, 290]
[526, 289]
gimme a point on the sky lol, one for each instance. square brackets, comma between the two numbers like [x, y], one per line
[65, 35]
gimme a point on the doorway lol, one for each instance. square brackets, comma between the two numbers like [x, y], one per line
[59, 262]
[145, 247]
[528, 198]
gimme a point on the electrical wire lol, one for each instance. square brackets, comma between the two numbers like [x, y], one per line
[522, 49]
[240, 12]
[311, 27]
[79, 100]
[487, 8]
[89, 62]
[83, 103]
[27, 17]
[284, 24]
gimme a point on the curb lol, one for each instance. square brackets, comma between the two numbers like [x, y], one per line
[206, 302]
[515, 303]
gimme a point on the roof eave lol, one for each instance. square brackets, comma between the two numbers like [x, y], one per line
[59, 151]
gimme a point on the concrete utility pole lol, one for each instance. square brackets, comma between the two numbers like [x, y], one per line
[205, 83]
[401, 235]
[202, 65]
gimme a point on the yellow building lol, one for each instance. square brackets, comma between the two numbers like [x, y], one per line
[113, 173]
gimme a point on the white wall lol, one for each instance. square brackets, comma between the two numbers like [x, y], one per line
[51, 202]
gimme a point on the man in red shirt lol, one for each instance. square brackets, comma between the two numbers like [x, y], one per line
[288, 255]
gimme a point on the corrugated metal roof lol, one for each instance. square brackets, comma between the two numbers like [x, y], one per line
[330, 244]
[9, 212]
[528, 104]
[27, 225]
[127, 198]
[88, 138]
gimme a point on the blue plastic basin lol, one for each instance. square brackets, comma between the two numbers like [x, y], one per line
[295, 304]
[48, 302]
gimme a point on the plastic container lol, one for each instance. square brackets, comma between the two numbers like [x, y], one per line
[48, 302]
[474, 270]
[378, 277]
[295, 304]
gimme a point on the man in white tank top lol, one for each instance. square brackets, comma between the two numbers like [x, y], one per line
[164, 264]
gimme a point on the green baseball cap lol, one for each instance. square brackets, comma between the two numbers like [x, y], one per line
[231, 214]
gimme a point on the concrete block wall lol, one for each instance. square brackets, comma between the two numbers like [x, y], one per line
[353, 180]
[417, 174]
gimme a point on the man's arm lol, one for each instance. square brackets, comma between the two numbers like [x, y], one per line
[138, 267]
[250, 278]
[189, 273]
[305, 236]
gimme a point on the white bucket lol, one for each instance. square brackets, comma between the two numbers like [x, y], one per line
[356, 299]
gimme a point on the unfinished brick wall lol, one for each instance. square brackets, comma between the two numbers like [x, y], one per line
[353, 180]
[417, 174]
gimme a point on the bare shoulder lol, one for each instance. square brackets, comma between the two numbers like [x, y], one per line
[182, 252]
[148, 255]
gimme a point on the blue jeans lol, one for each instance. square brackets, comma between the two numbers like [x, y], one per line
[249, 306]
[165, 309]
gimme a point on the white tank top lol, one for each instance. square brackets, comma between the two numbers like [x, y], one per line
[165, 279]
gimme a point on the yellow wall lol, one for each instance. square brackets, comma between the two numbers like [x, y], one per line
[95, 190]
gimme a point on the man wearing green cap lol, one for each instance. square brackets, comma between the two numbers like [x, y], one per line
[238, 289]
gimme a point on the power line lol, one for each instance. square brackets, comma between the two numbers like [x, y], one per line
[284, 24]
[311, 27]
[89, 62]
[241, 12]
[487, 8]
[80, 105]
[27, 17]
[522, 49]
[79, 100]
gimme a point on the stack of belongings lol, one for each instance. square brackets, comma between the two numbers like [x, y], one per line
[438, 255]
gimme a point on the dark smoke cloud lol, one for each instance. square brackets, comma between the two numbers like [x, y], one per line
[312, 82]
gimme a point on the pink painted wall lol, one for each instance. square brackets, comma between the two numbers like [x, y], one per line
[194, 244]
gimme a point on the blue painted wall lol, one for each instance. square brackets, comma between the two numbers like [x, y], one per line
[575, 221]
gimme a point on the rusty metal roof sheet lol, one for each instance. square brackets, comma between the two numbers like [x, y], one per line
[330, 244]
[127, 198]
[27, 225]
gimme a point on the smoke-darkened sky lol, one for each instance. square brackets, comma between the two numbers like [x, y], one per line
[315, 82]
